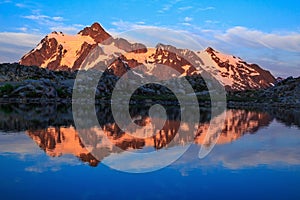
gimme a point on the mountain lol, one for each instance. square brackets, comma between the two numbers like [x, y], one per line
[93, 47]
[58, 51]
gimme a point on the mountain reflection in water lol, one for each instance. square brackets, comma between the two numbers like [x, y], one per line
[52, 128]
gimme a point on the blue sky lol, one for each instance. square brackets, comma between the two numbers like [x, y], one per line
[263, 32]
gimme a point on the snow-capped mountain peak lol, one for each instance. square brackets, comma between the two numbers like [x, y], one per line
[93, 47]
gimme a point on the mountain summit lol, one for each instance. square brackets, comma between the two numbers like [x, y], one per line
[93, 47]
[96, 32]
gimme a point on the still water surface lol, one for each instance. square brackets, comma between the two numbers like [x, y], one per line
[42, 156]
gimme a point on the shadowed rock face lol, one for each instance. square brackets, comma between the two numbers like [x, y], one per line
[36, 57]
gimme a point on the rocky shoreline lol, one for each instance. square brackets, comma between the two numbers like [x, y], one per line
[23, 84]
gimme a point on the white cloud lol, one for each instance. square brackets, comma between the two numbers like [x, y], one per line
[186, 24]
[72, 29]
[19, 39]
[255, 38]
[14, 45]
[59, 19]
[188, 19]
[23, 29]
[144, 162]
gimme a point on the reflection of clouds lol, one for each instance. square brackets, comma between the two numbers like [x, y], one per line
[17, 143]
[273, 147]
[21, 147]
[52, 164]
[135, 163]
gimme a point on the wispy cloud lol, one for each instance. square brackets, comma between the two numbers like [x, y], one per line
[255, 38]
[141, 22]
[185, 8]
[165, 8]
[44, 18]
[52, 164]
[186, 24]
[5, 1]
[23, 29]
[37, 17]
[151, 35]
[20, 5]
[54, 23]
[211, 22]
[240, 36]
[168, 6]
[206, 8]
[121, 25]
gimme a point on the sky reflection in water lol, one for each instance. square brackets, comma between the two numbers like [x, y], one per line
[264, 164]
